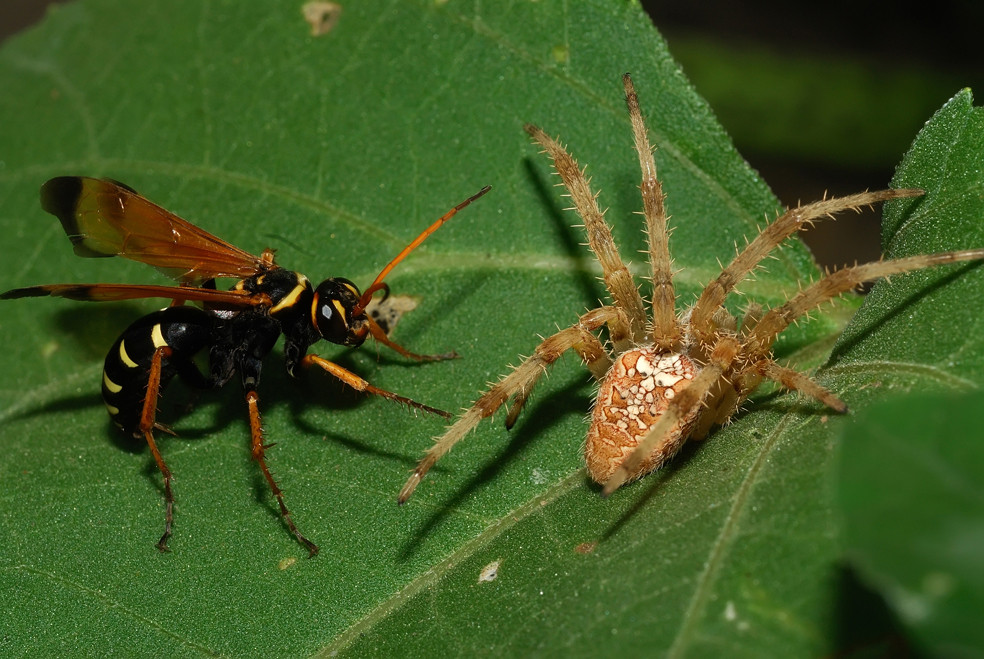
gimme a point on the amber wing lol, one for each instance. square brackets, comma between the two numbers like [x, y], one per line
[210, 297]
[106, 218]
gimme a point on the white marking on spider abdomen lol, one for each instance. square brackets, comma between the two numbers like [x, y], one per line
[633, 395]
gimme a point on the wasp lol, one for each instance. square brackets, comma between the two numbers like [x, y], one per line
[239, 327]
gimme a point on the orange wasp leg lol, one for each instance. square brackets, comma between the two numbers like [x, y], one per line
[147, 424]
[351, 379]
[258, 452]
[380, 336]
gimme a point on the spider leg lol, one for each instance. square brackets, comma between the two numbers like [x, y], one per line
[793, 220]
[665, 332]
[585, 344]
[148, 422]
[761, 337]
[796, 381]
[617, 278]
[351, 379]
[520, 382]
[727, 401]
[659, 439]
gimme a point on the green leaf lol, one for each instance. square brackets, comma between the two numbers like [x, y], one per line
[337, 150]
[910, 469]
[910, 488]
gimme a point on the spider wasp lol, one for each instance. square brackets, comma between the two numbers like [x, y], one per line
[238, 327]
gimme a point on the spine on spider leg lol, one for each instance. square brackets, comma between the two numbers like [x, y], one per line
[790, 222]
[776, 320]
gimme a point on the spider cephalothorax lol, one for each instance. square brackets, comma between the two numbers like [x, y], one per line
[671, 377]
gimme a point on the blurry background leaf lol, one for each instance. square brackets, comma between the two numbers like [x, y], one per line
[910, 490]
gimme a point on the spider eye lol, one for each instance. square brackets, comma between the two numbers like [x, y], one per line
[332, 312]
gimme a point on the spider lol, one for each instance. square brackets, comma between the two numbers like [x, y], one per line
[670, 377]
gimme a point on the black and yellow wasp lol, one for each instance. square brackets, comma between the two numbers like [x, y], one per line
[239, 327]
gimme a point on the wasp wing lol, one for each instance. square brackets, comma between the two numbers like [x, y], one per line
[105, 218]
[213, 299]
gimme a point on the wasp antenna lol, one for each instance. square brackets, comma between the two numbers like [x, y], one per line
[378, 283]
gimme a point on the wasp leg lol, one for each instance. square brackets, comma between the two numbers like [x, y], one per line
[380, 335]
[259, 451]
[357, 383]
[148, 422]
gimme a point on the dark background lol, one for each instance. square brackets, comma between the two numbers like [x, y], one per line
[818, 98]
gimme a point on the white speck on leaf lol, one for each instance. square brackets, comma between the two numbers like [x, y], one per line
[489, 572]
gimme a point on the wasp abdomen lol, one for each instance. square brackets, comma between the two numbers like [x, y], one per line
[185, 330]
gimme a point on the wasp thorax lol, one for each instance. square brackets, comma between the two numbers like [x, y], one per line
[332, 312]
[634, 394]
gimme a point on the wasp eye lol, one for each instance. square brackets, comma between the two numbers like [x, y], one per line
[332, 312]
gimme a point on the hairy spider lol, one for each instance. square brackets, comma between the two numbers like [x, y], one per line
[672, 377]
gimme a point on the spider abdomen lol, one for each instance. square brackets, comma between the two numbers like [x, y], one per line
[634, 394]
